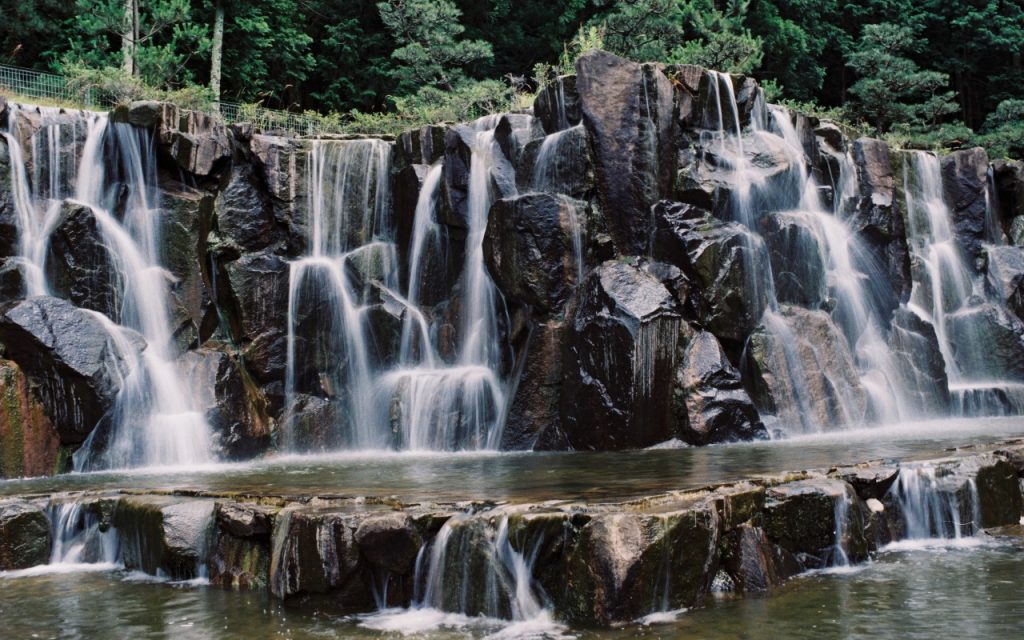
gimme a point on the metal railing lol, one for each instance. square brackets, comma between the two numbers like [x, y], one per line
[29, 83]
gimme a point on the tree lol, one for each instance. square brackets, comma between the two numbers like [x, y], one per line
[891, 88]
[429, 51]
[724, 43]
[216, 47]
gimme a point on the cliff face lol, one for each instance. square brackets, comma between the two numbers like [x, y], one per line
[653, 254]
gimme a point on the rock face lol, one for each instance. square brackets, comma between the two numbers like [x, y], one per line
[618, 379]
[79, 266]
[965, 182]
[988, 343]
[630, 117]
[923, 370]
[24, 535]
[718, 408]
[29, 443]
[1005, 276]
[69, 357]
[533, 248]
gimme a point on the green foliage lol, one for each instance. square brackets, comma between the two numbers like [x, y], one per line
[1003, 133]
[586, 39]
[723, 43]
[469, 101]
[430, 53]
[892, 89]
[111, 85]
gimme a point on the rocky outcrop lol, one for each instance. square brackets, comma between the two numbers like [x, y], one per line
[718, 408]
[965, 183]
[921, 370]
[618, 375]
[629, 113]
[79, 266]
[70, 358]
[533, 249]
[24, 535]
[1005, 276]
[988, 343]
[29, 443]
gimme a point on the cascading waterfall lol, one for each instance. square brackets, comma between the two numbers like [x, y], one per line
[153, 420]
[944, 288]
[793, 193]
[933, 505]
[422, 397]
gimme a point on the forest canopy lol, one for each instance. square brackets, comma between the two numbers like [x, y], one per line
[936, 71]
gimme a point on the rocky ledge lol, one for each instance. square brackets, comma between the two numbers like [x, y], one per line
[590, 563]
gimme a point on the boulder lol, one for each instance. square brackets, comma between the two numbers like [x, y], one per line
[874, 218]
[79, 266]
[69, 357]
[24, 535]
[534, 418]
[244, 520]
[725, 262]
[196, 141]
[987, 342]
[754, 562]
[811, 518]
[1005, 276]
[718, 408]
[533, 249]
[9, 227]
[244, 217]
[12, 280]
[628, 110]
[1008, 179]
[921, 369]
[557, 105]
[618, 376]
[624, 566]
[799, 261]
[232, 403]
[461, 143]
[141, 113]
[312, 424]
[253, 294]
[965, 187]
[801, 371]
[420, 146]
[29, 443]
[558, 163]
[389, 541]
[281, 162]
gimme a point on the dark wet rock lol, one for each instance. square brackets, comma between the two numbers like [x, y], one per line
[1005, 276]
[186, 531]
[999, 494]
[530, 249]
[244, 520]
[513, 133]
[755, 563]
[987, 342]
[239, 563]
[316, 552]
[78, 265]
[801, 518]
[244, 218]
[628, 110]
[8, 215]
[24, 535]
[197, 141]
[312, 424]
[29, 443]
[921, 369]
[389, 541]
[141, 113]
[877, 222]
[798, 260]
[407, 186]
[420, 146]
[869, 480]
[801, 371]
[461, 142]
[557, 105]
[163, 534]
[534, 417]
[185, 225]
[727, 265]
[232, 403]
[278, 160]
[254, 292]
[965, 185]
[718, 408]
[624, 563]
[69, 357]
[558, 163]
[12, 280]
[617, 384]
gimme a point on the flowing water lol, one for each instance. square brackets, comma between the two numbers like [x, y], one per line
[112, 167]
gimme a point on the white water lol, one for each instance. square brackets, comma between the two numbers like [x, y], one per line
[935, 505]
[153, 420]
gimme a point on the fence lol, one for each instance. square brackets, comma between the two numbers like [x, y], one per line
[28, 83]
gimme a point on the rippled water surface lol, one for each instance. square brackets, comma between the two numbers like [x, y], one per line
[543, 476]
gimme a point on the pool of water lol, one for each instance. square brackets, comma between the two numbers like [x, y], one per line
[945, 590]
[541, 476]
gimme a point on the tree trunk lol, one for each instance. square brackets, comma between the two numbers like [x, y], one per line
[129, 25]
[215, 53]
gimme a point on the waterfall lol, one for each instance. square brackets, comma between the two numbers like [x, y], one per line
[421, 396]
[934, 505]
[153, 420]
